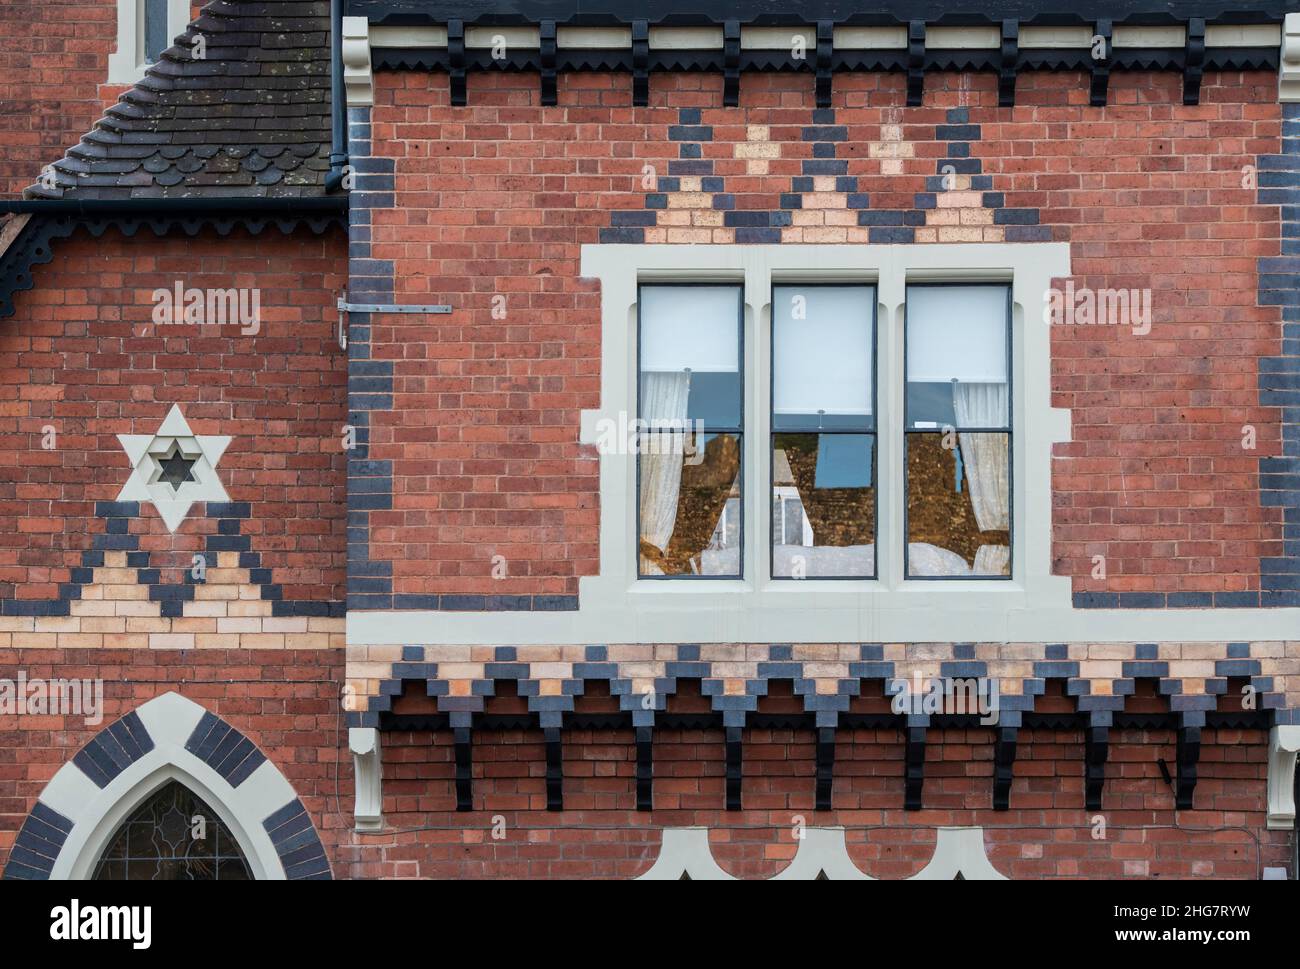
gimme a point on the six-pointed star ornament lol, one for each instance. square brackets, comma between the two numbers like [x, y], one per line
[173, 468]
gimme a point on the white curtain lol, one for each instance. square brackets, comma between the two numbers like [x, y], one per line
[986, 456]
[663, 398]
[992, 560]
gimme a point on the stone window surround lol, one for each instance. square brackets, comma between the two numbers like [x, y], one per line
[1034, 606]
[126, 65]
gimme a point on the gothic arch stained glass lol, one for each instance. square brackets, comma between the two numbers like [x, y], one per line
[173, 836]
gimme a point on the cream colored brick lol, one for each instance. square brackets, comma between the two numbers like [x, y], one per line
[285, 624]
[690, 236]
[103, 624]
[258, 607]
[216, 641]
[976, 216]
[709, 217]
[891, 166]
[145, 608]
[144, 624]
[80, 640]
[126, 640]
[826, 234]
[308, 640]
[766, 150]
[690, 200]
[211, 609]
[171, 641]
[261, 640]
[959, 234]
[58, 624]
[758, 132]
[756, 166]
[81, 607]
[689, 183]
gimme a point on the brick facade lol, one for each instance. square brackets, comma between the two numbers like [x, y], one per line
[435, 464]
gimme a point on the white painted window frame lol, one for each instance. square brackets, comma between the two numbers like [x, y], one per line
[127, 64]
[783, 610]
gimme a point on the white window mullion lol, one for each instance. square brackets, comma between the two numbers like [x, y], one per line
[758, 409]
[889, 426]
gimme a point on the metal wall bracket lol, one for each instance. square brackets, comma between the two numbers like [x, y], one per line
[346, 307]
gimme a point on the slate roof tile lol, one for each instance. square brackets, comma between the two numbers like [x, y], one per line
[252, 118]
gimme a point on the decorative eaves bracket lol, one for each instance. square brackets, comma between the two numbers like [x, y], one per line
[367, 767]
[1288, 73]
[1283, 747]
[358, 77]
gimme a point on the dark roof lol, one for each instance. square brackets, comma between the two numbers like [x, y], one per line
[841, 12]
[250, 119]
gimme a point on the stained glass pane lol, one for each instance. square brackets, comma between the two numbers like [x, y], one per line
[173, 836]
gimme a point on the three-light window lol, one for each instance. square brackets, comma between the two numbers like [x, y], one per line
[820, 433]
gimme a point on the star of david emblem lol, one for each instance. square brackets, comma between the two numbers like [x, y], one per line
[173, 468]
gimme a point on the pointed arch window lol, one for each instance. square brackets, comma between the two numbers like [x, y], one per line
[173, 836]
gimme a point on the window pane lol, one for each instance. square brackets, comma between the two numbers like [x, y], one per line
[689, 501]
[823, 495]
[824, 506]
[155, 29]
[163, 840]
[690, 354]
[958, 504]
[822, 373]
[689, 505]
[957, 356]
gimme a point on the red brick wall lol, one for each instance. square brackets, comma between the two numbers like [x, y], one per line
[496, 199]
[1046, 834]
[53, 69]
[286, 701]
[82, 355]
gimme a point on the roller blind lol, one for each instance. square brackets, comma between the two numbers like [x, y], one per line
[694, 328]
[957, 332]
[822, 361]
